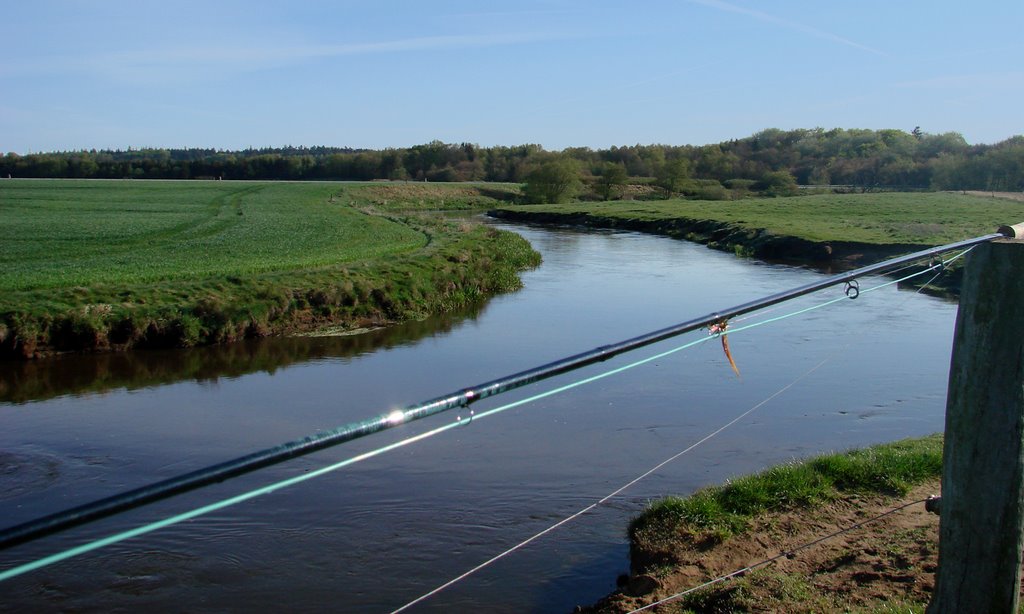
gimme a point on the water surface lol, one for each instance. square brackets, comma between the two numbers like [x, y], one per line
[379, 534]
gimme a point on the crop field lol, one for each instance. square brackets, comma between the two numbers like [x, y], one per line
[930, 218]
[106, 265]
[77, 233]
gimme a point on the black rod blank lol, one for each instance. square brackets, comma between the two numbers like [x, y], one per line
[157, 491]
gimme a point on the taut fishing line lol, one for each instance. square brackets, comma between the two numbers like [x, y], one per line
[939, 267]
[251, 494]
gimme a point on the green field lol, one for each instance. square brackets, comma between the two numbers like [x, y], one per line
[78, 233]
[114, 264]
[930, 218]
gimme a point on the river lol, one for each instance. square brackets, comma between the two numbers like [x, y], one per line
[373, 536]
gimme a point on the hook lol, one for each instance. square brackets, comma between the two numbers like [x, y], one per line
[719, 328]
[852, 288]
[467, 422]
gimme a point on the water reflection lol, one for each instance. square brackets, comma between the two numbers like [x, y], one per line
[73, 374]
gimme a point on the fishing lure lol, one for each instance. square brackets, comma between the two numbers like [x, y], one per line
[718, 328]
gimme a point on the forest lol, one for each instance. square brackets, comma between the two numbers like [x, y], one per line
[856, 158]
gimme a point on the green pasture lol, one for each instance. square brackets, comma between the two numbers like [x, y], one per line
[77, 233]
[918, 218]
[98, 265]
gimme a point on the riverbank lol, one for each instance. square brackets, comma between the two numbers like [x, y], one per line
[832, 231]
[111, 266]
[681, 543]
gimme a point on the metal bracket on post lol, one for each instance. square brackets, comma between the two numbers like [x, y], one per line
[1015, 231]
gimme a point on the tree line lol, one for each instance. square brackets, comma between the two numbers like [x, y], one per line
[770, 159]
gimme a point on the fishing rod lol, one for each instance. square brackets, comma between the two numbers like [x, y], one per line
[157, 491]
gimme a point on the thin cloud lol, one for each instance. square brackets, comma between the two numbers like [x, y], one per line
[524, 13]
[252, 58]
[785, 23]
[986, 81]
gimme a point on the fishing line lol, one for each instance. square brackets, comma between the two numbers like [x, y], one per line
[205, 476]
[149, 528]
[224, 503]
[940, 266]
[609, 496]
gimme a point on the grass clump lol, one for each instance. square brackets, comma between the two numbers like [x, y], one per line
[713, 514]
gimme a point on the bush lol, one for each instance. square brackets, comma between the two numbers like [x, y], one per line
[555, 181]
[739, 184]
[712, 192]
[778, 183]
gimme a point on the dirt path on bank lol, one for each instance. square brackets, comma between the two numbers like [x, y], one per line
[891, 560]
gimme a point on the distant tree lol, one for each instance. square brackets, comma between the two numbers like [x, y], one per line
[442, 174]
[868, 158]
[612, 178]
[398, 174]
[469, 170]
[82, 166]
[673, 174]
[554, 181]
[948, 172]
[934, 145]
[819, 176]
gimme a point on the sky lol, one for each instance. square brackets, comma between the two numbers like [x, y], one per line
[232, 74]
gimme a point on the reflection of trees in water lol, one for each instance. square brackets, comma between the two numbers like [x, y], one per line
[21, 382]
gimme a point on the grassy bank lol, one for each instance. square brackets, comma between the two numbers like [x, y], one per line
[423, 196]
[836, 230]
[680, 542]
[919, 218]
[97, 265]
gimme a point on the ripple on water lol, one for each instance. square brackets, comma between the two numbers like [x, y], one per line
[26, 472]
